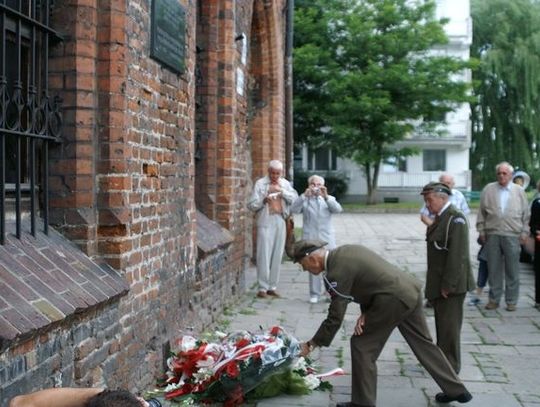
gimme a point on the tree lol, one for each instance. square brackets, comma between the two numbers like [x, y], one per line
[505, 114]
[367, 75]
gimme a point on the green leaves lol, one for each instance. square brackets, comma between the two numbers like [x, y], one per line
[364, 72]
[505, 114]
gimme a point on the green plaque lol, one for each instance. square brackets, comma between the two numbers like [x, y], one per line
[168, 42]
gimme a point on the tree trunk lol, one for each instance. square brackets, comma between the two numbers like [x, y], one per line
[372, 181]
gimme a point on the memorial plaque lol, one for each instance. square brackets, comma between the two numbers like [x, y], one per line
[168, 41]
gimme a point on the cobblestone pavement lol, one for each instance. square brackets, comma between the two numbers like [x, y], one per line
[501, 349]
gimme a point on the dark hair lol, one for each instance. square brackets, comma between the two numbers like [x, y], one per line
[114, 398]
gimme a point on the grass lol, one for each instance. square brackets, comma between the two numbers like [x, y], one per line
[339, 357]
[248, 311]
[400, 206]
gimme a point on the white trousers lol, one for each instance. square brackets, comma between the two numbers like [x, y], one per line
[315, 285]
[270, 245]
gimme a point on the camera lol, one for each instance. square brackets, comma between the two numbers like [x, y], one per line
[316, 190]
[153, 402]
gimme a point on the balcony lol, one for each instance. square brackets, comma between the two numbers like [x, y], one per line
[405, 180]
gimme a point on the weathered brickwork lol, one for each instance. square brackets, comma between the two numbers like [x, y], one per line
[81, 350]
[144, 148]
[237, 132]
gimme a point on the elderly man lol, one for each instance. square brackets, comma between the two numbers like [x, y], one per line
[457, 199]
[271, 200]
[317, 208]
[502, 224]
[389, 298]
[449, 275]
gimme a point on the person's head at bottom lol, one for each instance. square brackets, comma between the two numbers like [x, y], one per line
[119, 398]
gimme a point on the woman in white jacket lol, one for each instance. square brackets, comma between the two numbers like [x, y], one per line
[317, 208]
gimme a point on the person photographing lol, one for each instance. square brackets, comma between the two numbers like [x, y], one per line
[317, 208]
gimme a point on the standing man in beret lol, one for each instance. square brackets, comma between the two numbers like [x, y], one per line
[449, 274]
[389, 298]
[456, 198]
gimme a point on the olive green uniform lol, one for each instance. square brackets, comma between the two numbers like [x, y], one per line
[449, 268]
[388, 298]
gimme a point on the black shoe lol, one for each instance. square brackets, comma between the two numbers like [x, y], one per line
[445, 398]
[351, 404]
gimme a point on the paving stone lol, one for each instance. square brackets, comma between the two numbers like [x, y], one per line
[499, 349]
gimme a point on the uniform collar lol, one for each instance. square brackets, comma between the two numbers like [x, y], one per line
[326, 260]
[444, 208]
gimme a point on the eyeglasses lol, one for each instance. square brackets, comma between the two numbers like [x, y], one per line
[503, 173]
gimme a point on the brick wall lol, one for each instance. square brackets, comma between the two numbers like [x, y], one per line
[238, 133]
[80, 351]
[125, 185]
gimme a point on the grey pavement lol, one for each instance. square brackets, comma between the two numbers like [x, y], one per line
[500, 349]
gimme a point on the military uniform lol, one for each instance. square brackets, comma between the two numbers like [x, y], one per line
[449, 268]
[389, 298]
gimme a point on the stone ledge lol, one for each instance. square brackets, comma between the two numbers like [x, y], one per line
[210, 235]
[46, 279]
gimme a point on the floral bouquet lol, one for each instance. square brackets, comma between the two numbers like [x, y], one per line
[237, 367]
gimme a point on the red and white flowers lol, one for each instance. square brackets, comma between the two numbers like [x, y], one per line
[236, 366]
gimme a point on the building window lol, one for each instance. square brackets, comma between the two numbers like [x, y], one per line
[434, 160]
[298, 158]
[321, 159]
[29, 117]
[395, 164]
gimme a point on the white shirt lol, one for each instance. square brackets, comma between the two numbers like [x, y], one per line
[260, 191]
[444, 208]
[504, 194]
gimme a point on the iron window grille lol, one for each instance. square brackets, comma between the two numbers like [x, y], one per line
[29, 118]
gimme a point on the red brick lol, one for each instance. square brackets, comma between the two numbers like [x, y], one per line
[115, 183]
[115, 246]
[112, 231]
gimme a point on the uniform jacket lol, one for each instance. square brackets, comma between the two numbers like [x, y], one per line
[317, 217]
[449, 265]
[356, 271]
[260, 191]
[534, 222]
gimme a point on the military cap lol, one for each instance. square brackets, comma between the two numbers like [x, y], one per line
[303, 248]
[436, 187]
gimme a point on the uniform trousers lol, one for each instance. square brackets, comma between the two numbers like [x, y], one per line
[503, 264]
[270, 245]
[384, 314]
[537, 271]
[448, 322]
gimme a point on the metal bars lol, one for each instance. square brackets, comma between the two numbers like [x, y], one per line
[29, 121]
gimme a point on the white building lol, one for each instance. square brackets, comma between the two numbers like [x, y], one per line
[438, 154]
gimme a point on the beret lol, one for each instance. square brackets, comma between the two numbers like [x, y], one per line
[436, 187]
[303, 248]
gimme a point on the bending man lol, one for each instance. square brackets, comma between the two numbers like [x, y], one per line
[388, 298]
